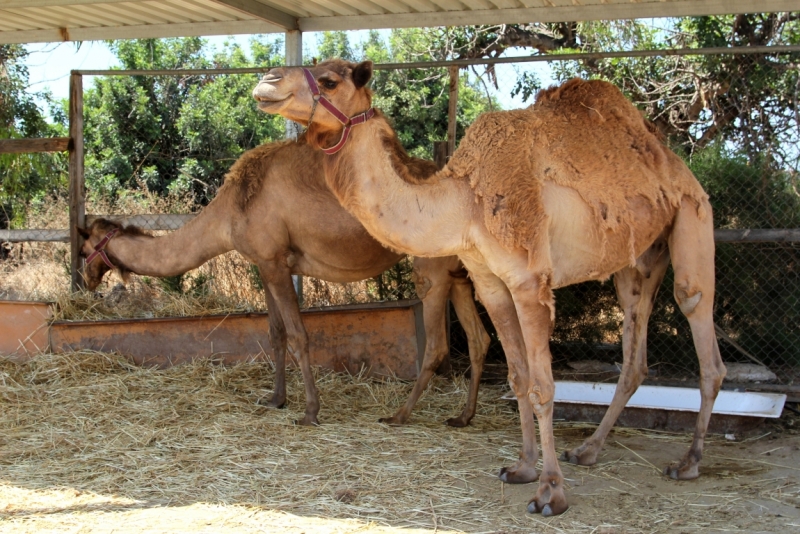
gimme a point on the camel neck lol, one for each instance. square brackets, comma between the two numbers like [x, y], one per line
[429, 218]
[199, 240]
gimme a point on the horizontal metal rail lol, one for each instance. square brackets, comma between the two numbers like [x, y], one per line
[154, 221]
[168, 221]
[469, 62]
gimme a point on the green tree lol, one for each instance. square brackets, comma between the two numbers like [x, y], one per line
[173, 133]
[417, 99]
[25, 177]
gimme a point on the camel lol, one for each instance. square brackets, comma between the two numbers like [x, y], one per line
[275, 209]
[577, 187]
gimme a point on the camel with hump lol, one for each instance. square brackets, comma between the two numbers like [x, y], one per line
[577, 187]
[276, 210]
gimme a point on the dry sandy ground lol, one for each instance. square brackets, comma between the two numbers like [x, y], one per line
[91, 444]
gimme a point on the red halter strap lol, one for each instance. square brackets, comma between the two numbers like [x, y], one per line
[98, 249]
[348, 122]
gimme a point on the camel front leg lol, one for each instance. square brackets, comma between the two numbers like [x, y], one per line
[477, 340]
[432, 280]
[495, 296]
[277, 280]
[534, 302]
[636, 291]
[277, 339]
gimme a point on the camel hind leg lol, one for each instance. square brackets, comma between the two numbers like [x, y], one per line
[636, 291]
[432, 280]
[691, 246]
[435, 279]
[477, 341]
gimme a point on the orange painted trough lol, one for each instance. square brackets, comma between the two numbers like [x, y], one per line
[23, 328]
[385, 339]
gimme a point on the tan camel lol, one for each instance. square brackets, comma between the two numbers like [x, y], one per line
[276, 210]
[577, 187]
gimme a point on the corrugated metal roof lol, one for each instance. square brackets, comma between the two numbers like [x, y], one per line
[28, 21]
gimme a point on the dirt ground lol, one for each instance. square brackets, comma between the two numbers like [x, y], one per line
[89, 443]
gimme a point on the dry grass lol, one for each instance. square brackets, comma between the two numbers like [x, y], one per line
[93, 443]
[145, 301]
[40, 271]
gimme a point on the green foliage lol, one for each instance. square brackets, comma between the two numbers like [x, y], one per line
[758, 284]
[25, 177]
[747, 100]
[173, 133]
[395, 283]
[417, 100]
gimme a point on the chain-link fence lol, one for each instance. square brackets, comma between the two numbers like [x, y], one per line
[733, 117]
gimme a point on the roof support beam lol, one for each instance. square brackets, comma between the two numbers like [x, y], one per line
[263, 12]
[605, 11]
[16, 4]
[152, 31]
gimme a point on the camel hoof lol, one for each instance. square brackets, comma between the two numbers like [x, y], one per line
[579, 456]
[522, 475]
[391, 421]
[272, 403]
[307, 421]
[457, 422]
[546, 510]
[681, 472]
[549, 500]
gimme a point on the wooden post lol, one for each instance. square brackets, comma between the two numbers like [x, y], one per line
[294, 57]
[441, 152]
[77, 193]
[452, 109]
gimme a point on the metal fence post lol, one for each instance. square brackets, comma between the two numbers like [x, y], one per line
[77, 192]
[294, 57]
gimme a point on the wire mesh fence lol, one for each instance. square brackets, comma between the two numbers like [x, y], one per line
[734, 118]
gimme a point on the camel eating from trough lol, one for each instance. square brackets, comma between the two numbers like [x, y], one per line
[576, 187]
[275, 209]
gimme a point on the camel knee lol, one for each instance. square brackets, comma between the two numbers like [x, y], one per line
[713, 375]
[433, 358]
[632, 380]
[297, 344]
[422, 284]
[541, 395]
[688, 297]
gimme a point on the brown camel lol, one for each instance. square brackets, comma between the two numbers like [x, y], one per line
[276, 210]
[577, 187]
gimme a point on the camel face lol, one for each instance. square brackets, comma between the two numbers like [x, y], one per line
[94, 271]
[285, 91]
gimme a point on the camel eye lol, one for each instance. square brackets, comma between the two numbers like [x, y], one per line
[329, 84]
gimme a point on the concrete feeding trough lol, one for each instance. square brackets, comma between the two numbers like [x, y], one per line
[662, 407]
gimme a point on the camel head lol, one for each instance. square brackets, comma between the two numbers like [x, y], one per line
[95, 269]
[288, 91]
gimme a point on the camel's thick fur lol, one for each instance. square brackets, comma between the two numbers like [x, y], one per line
[276, 210]
[576, 187]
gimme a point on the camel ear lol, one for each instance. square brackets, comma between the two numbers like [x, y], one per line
[83, 233]
[362, 74]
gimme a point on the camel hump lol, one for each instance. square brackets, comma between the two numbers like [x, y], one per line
[246, 177]
[493, 132]
[578, 93]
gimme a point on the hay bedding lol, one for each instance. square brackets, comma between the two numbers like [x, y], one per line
[91, 443]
